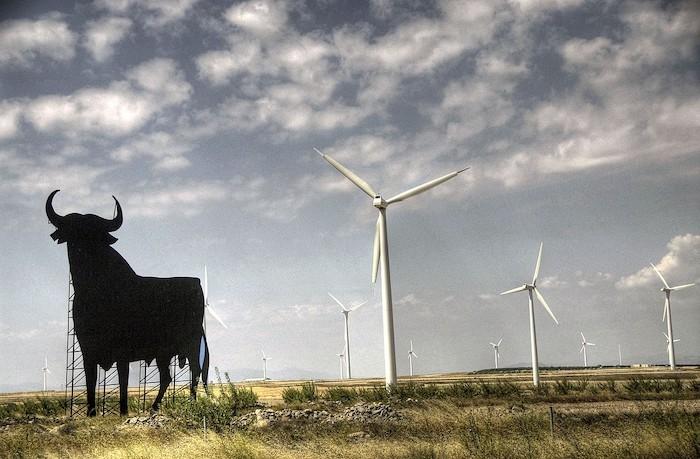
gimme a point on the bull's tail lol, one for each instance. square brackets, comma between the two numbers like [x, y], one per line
[204, 359]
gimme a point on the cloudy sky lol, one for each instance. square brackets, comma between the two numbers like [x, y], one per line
[580, 121]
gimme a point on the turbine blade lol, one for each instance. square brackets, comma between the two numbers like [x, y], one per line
[516, 289]
[493, 344]
[375, 253]
[354, 178]
[424, 187]
[590, 344]
[338, 301]
[49, 371]
[663, 317]
[583, 338]
[667, 338]
[544, 303]
[499, 342]
[581, 350]
[216, 316]
[660, 276]
[206, 286]
[355, 308]
[537, 266]
[681, 287]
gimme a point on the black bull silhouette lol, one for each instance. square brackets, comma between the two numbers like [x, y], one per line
[122, 317]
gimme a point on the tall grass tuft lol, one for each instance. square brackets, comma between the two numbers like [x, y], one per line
[218, 409]
[306, 393]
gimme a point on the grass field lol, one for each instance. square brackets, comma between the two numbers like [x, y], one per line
[599, 413]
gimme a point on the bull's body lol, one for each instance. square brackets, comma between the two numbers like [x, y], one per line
[121, 317]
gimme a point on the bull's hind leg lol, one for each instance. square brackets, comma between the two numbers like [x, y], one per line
[90, 382]
[123, 372]
[165, 380]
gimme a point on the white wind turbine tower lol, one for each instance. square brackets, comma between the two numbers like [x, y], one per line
[411, 355]
[533, 339]
[210, 310]
[381, 253]
[496, 351]
[341, 359]
[584, 344]
[264, 360]
[45, 370]
[667, 315]
[346, 311]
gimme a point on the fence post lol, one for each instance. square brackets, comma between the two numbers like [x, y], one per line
[551, 420]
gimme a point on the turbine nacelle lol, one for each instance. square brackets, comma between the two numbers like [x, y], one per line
[379, 202]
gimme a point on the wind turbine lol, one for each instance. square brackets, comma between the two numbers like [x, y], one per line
[381, 253]
[496, 353]
[346, 311]
[264, 360]
[619, 354]
[210, 310]
[584, 344]
[533, 339]
[411, 355]
[340, 357]
[667, 314]
[45, 370]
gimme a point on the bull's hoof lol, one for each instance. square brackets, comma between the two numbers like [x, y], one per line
[92, 413]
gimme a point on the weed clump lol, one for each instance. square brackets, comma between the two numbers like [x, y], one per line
[218, 409]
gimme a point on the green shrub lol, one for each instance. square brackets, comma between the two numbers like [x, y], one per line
[218, 410]
[611, 386]
[341, 394]
[563, 386]
[461, 390]
[374, 394]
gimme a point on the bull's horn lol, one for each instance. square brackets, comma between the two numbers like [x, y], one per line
[54, 218]
[116, 222]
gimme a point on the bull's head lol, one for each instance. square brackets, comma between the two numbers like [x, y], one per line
[83, 228]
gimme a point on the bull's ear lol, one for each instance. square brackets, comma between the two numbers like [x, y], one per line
[109, 239]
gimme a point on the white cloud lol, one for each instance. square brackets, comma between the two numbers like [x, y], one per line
[166, 149]
[24, 41]
[153, 13]
[102, 35]
[678, 266]
[553, 282]
[41, 175]
[118, 109]
[185, 199]
[259, 17]
[537, 6]
[9, 118]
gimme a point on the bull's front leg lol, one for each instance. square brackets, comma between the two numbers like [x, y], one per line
[90, 381]
[123, 372]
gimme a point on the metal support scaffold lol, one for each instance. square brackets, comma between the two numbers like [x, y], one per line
[149, 383]
[107, 390]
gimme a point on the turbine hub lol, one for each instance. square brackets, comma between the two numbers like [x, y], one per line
[379, 202]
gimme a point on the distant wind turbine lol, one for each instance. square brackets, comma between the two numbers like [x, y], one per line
[533, 338]
[411, 356]
[381, 253]
[346, 312]
[45, 370]
[264, 360]
[584, 344]
[341, 358]
[667, 314]
[496, 352]
[619, 354]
